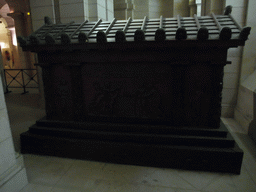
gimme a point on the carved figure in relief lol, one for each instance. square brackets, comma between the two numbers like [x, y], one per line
[104, 98]
[148, 101]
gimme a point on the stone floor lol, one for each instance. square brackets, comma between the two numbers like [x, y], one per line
[69, 175]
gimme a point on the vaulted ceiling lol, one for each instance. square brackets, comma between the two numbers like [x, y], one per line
[2, 3]
[4, 9]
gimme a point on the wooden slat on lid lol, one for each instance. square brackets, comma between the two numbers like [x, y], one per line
[197, 21]
[82, 24]
[127, 24]
[216, 21]
[48, 31]
[234, 21]
[161, 22]
[94, 27]
[62, 30]
[144, 23]
[109, 27]
[179, 21]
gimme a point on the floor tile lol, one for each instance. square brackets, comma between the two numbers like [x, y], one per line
[57, 189]
[126, 173]
[109, 186]
[36, 188]
[233, 125]
[84, 164]
[198, 179]
[250, 166]
[82, 174]
[78, 182]
[30, 159]
[186, 190]
[243, 181]
[47, 170]
[223, 184]
[165, 178]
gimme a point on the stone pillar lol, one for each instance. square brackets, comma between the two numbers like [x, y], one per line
[102, 10]
[22, 29]
[14, 48]
[13, 175]
[123, 9]
[193, 7]
[205, 7]
[9, 36]
[160, 8]
[110, 10]
[199, 7]
[99, 9]
[27, 59]
[2, 72]
[181, 7]
[73, 11]
[141, 9]
[57, 11]
[40, 9]
[232, 93]
[245, 110]
[215, 6]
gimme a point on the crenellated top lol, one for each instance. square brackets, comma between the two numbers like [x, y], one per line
[213, 27]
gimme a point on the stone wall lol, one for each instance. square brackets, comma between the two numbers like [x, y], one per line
[232, 72]
[12, 172]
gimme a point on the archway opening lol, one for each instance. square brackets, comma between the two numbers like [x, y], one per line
[8, 40]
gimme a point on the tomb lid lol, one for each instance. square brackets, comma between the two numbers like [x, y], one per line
[178, 31]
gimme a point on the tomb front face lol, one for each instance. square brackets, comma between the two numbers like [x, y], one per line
[175, 91]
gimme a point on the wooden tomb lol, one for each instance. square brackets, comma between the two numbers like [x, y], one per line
[144, 92]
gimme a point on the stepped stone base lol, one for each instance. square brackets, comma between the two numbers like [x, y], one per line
[138, 144]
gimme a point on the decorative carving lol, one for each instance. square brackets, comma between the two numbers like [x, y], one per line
[139, 35]
[34, 40]
[49, 39]
[245, 33]
[48, 21]
[104, 99]
[228, 10]
[120, 36]
[203, 34]
[22, 41]
[110, 100]
[147, 102]
[82, 37]
[65, 39]
[160, 34]
[101, 37]
[181, 34]
[225, 34]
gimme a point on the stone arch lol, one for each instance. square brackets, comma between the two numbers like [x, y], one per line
[20, 24]
[8, 38]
